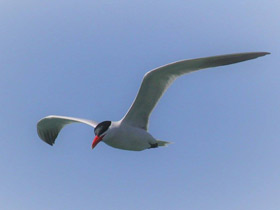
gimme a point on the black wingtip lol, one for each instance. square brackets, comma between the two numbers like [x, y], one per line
[49, 143]
[258, 54]
[265, 53]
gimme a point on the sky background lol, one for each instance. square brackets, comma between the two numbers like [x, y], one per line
[87, 58]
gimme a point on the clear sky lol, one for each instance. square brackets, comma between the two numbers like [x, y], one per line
[87, 58]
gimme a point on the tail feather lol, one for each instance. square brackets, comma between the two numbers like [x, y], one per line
[163, 143]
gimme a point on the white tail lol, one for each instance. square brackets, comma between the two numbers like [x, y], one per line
[163, 143]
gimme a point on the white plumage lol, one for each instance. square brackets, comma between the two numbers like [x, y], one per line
[130, 133]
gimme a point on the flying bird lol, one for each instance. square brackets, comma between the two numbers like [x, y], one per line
[130, 133]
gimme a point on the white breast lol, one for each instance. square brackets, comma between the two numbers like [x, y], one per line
[127, 137]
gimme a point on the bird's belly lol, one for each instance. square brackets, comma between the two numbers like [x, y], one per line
[135, 140]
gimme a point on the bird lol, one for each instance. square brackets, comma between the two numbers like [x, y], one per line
[131, 132]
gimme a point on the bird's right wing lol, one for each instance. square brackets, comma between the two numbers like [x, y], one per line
[156, 82]
[49, 127]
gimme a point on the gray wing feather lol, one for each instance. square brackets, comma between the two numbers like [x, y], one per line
[49, 127]
[156, 82]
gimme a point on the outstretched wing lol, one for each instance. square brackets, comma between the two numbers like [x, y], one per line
[156, 82]
[49, 127]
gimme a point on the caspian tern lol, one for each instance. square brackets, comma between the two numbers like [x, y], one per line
[130, 133]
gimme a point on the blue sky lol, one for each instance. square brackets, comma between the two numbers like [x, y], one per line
[87, 58]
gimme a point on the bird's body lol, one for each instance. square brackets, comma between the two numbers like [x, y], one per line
[127, 137]
[130, 133]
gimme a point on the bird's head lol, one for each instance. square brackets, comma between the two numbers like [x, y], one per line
[100, 131]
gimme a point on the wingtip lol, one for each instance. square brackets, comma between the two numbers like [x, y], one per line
[258, 54]
[265, 53]
[253, 55]
[51, 144]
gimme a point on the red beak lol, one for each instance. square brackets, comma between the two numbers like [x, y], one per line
[96, 140]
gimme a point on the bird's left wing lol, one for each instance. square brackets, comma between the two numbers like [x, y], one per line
[49, 127]
[156, 82]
